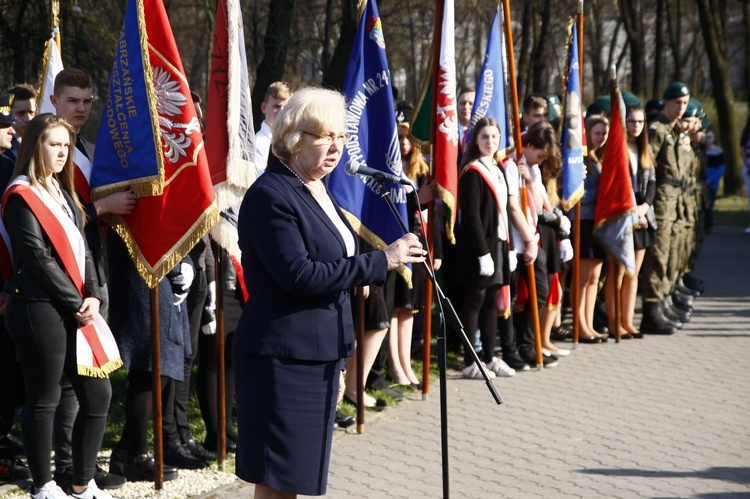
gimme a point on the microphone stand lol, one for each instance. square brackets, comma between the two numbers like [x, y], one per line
[447, 310]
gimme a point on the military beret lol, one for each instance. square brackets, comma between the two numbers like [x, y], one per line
[602, 105]
[676, 90]
[630, 99]
[691, 110]
[553, 106]
[6, 116]
[654, 105]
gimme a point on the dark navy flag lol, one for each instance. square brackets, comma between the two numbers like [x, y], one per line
[572, 131]
[371, 122]
[491, 100]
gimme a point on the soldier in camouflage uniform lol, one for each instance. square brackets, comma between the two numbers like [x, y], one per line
[673, 169]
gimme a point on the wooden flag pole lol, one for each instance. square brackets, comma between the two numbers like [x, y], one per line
[221, 385]
[616, 284]
[360, 375]
[575, 282]
[55, 6]
[156, 388]
[531, 277]
[427, 310]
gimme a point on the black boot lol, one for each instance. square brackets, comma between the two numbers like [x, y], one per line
[674, 313]
[681, 288]
[682, 302]
[654, 321]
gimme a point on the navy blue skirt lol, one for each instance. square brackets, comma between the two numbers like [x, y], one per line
[285, 416]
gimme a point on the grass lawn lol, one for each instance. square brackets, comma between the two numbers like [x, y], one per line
[732, 210]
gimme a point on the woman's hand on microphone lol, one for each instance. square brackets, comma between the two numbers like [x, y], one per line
[406, 249]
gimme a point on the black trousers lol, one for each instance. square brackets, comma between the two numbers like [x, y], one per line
[45, 338]
[11, 386]
[479, 311]
[522, 320]
[139, 408]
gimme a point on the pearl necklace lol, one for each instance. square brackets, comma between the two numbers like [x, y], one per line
[318, 195]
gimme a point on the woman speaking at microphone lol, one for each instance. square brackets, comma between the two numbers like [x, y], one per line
[300, 262]
[53, 293]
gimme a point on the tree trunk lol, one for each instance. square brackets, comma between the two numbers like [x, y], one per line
[543, 49]
[632, 15]
[674, 28]
[658, 83]
[336, 71]
[712, 28]
[271, 67]
[526, 49]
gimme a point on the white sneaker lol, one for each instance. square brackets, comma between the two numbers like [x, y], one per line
[50, 491]
[92, 492]
[473, 372]
[500, 368]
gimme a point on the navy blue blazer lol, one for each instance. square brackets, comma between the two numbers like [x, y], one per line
[297, 273]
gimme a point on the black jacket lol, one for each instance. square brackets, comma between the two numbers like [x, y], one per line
[38, 274]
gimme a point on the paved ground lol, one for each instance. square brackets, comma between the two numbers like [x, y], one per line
[661, 417]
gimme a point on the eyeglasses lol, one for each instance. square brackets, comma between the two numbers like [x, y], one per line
[329, 137]
[635, 122]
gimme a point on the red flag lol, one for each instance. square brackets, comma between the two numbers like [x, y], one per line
[614, 215]
[230, 139]
[446, 121]
[150, 141]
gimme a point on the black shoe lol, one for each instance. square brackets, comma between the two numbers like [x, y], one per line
[681, 288]
[654, 320]
[560, 333]
[179, 456]
[13, 470]
[141, 469]
[590, 339]
[515, 362]
[106, 480]
[547, 360]
[199, 451]
[10, 446]
[674, 313]
[343, 421]
[682, 302]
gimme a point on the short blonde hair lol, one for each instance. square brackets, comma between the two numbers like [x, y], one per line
[312, 109]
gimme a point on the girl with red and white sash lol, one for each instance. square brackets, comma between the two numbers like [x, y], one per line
[53, 310]
[482, 237]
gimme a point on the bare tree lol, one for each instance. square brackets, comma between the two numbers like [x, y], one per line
[713, 26]
[632, 15]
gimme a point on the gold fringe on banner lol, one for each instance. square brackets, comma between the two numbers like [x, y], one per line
[153, 274]
[376, 243]
[102, 371]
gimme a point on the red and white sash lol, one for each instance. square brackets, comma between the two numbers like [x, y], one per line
[82, 175]
[494, 184]
[97, 354]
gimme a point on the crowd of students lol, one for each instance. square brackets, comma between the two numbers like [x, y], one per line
[676, 168]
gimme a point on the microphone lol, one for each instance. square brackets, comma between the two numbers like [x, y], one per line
[353, 167]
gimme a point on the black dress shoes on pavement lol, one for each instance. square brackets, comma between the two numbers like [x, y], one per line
[343, 421]
[180, 457]
[137, 468]
[199, 451]
[654, 321]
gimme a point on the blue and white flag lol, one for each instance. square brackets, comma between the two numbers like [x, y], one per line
[572, 137]
[371, 122]
[491, 100]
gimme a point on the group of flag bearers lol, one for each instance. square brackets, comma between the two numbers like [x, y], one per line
[150, 146]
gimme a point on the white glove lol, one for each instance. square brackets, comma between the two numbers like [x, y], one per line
[564, 226]
[185, 278]
[178, 298]
[210, 327]
[513, 256]
[566, 250]
[486, 265]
